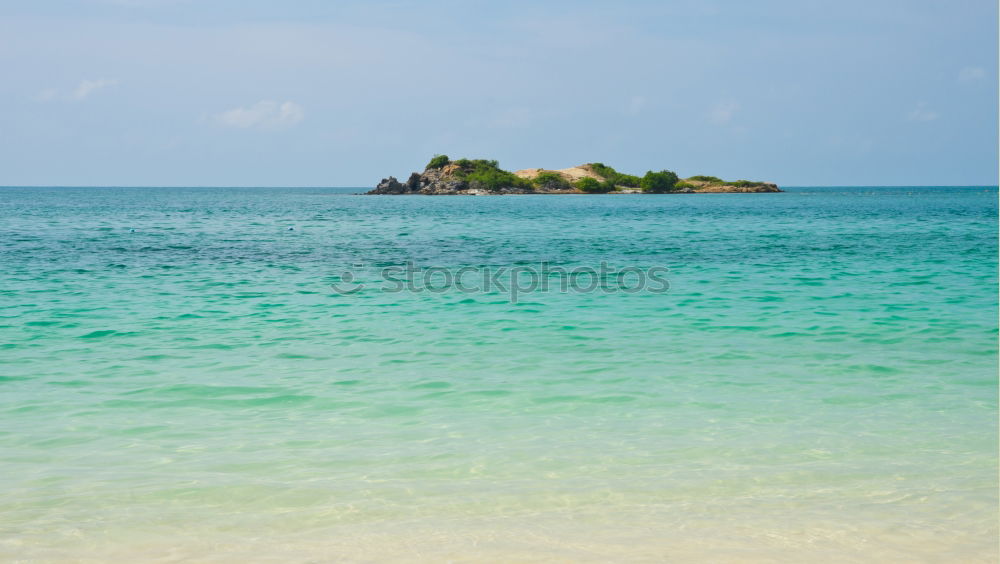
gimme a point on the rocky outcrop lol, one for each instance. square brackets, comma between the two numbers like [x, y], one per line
[413, 182]
[446, 180]
[450, 179]
[432, 181]
[389, 186]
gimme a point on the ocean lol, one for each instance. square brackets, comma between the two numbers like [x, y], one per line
[297, 375]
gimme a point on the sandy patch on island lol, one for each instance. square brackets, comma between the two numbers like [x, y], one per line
[572, 174]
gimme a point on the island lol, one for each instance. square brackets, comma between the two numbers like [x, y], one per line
[443, 176]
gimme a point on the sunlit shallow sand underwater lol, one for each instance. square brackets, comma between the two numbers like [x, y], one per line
[180, 383]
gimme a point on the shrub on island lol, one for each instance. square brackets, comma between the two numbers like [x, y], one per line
[718, 181]
[613, 176]
[551, 181]
[603, 170]
[482, 174]
[744, 183]
[438, 161]
[629, 180]
[495, 180]
[473, 165]
[658, 182]
[705, 178]
[593, 186]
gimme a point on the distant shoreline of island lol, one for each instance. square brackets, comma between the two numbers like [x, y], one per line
[481, 177]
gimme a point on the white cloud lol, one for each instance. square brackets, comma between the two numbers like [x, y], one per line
[266, 114]
[922, 113]
[88, 87]
[723, 112]
[82, 91]
[971, 73]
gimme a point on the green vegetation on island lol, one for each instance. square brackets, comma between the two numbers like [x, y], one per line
[659, 182]
[483, 176]
[437, 162]
[593, 186]
[721, 182]
[551, 181]
[613, 176]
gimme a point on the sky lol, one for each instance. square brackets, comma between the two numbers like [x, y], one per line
[344, 93]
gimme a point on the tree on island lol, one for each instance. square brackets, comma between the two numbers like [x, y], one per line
[658, 182]
[551, 181]
[438, 161]
[594, 186]
[613, 176]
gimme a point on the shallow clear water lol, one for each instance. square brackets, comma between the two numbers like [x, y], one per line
[820, 382]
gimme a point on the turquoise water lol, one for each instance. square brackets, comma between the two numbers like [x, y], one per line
[180, 381]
